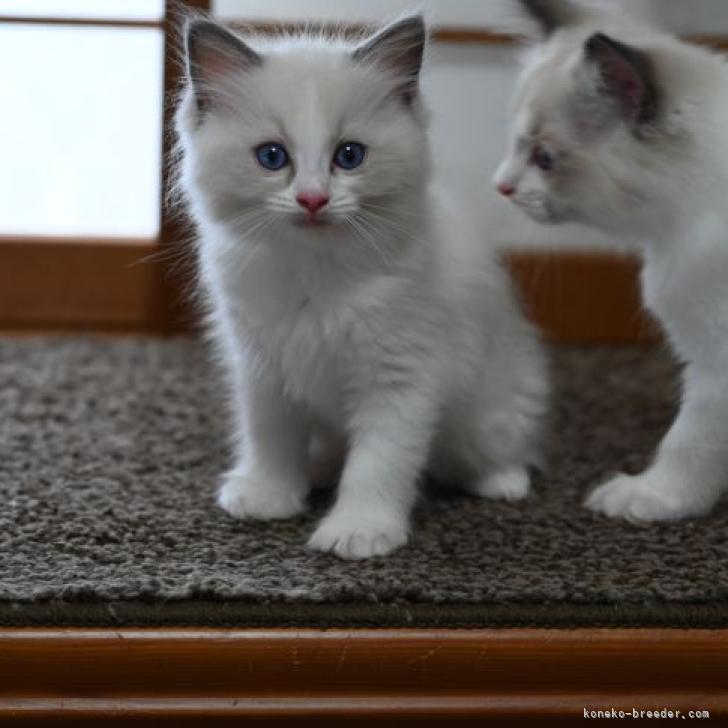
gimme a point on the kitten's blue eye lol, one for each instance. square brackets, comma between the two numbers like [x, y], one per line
[349, 155]
[272, 156]
[543, 159]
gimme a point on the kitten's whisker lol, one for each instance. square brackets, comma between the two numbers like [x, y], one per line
[367, 205]
[361, 237]
[359, 224]
[261, 225]
[248, 215]
[390, 224]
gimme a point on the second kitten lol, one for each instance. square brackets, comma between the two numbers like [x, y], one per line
[623, 128]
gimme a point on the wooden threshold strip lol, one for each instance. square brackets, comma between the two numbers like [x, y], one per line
[349, 674]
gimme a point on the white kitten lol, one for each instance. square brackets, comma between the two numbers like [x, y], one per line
[348, 304]
[624, 128]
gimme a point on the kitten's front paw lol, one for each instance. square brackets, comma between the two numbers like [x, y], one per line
[356, 537]
[640, 498]
[510, 484]
[256, 498]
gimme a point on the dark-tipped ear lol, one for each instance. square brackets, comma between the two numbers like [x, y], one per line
[552, 14]
[626, 75]
[213, 55]
[398, 48]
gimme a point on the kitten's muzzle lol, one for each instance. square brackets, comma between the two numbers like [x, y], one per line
[540, 210]
[312, 202]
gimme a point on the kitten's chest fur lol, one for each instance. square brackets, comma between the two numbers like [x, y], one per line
[311, 326]
[306, 345]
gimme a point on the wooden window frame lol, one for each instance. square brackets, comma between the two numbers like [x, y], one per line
[100, 284]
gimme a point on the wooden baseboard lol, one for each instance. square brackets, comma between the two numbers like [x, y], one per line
[63, 286]
[333, 676]
[586, 298]
[48, 285]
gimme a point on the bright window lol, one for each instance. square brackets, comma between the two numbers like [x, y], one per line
[80, 135]
[81, 130]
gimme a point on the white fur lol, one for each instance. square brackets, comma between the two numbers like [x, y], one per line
[663, 188]
[392, 329]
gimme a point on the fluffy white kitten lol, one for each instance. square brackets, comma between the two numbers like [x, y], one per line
[351, 308]
[625, 128]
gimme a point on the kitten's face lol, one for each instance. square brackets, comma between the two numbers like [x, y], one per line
[311, 135]
[544, 169]
[583, 109]
[559, 167]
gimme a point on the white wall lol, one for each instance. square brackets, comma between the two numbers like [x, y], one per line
[469, 89]
[472, 13]
[469, 86]
[690, 16]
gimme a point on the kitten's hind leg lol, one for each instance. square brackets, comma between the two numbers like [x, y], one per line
[327, 453]
[467, 468]
[490, 456]
[508, 429]
[510, 483]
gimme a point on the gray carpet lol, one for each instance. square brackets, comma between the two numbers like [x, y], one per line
[109, 451]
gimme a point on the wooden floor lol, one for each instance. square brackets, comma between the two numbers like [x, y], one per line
[186, 676]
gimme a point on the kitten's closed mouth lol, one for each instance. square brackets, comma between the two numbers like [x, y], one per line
[542, 213]
[311, 222]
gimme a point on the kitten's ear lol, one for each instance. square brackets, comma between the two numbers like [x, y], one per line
[625, 75]
[213, 56]
[398, 48]
[552, 14]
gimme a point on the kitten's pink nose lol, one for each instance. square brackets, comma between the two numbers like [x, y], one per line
[313, 203]
[506, 189]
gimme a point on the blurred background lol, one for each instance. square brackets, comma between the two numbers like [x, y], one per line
[83, 139]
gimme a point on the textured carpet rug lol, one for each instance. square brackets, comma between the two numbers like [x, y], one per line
[109, 452]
